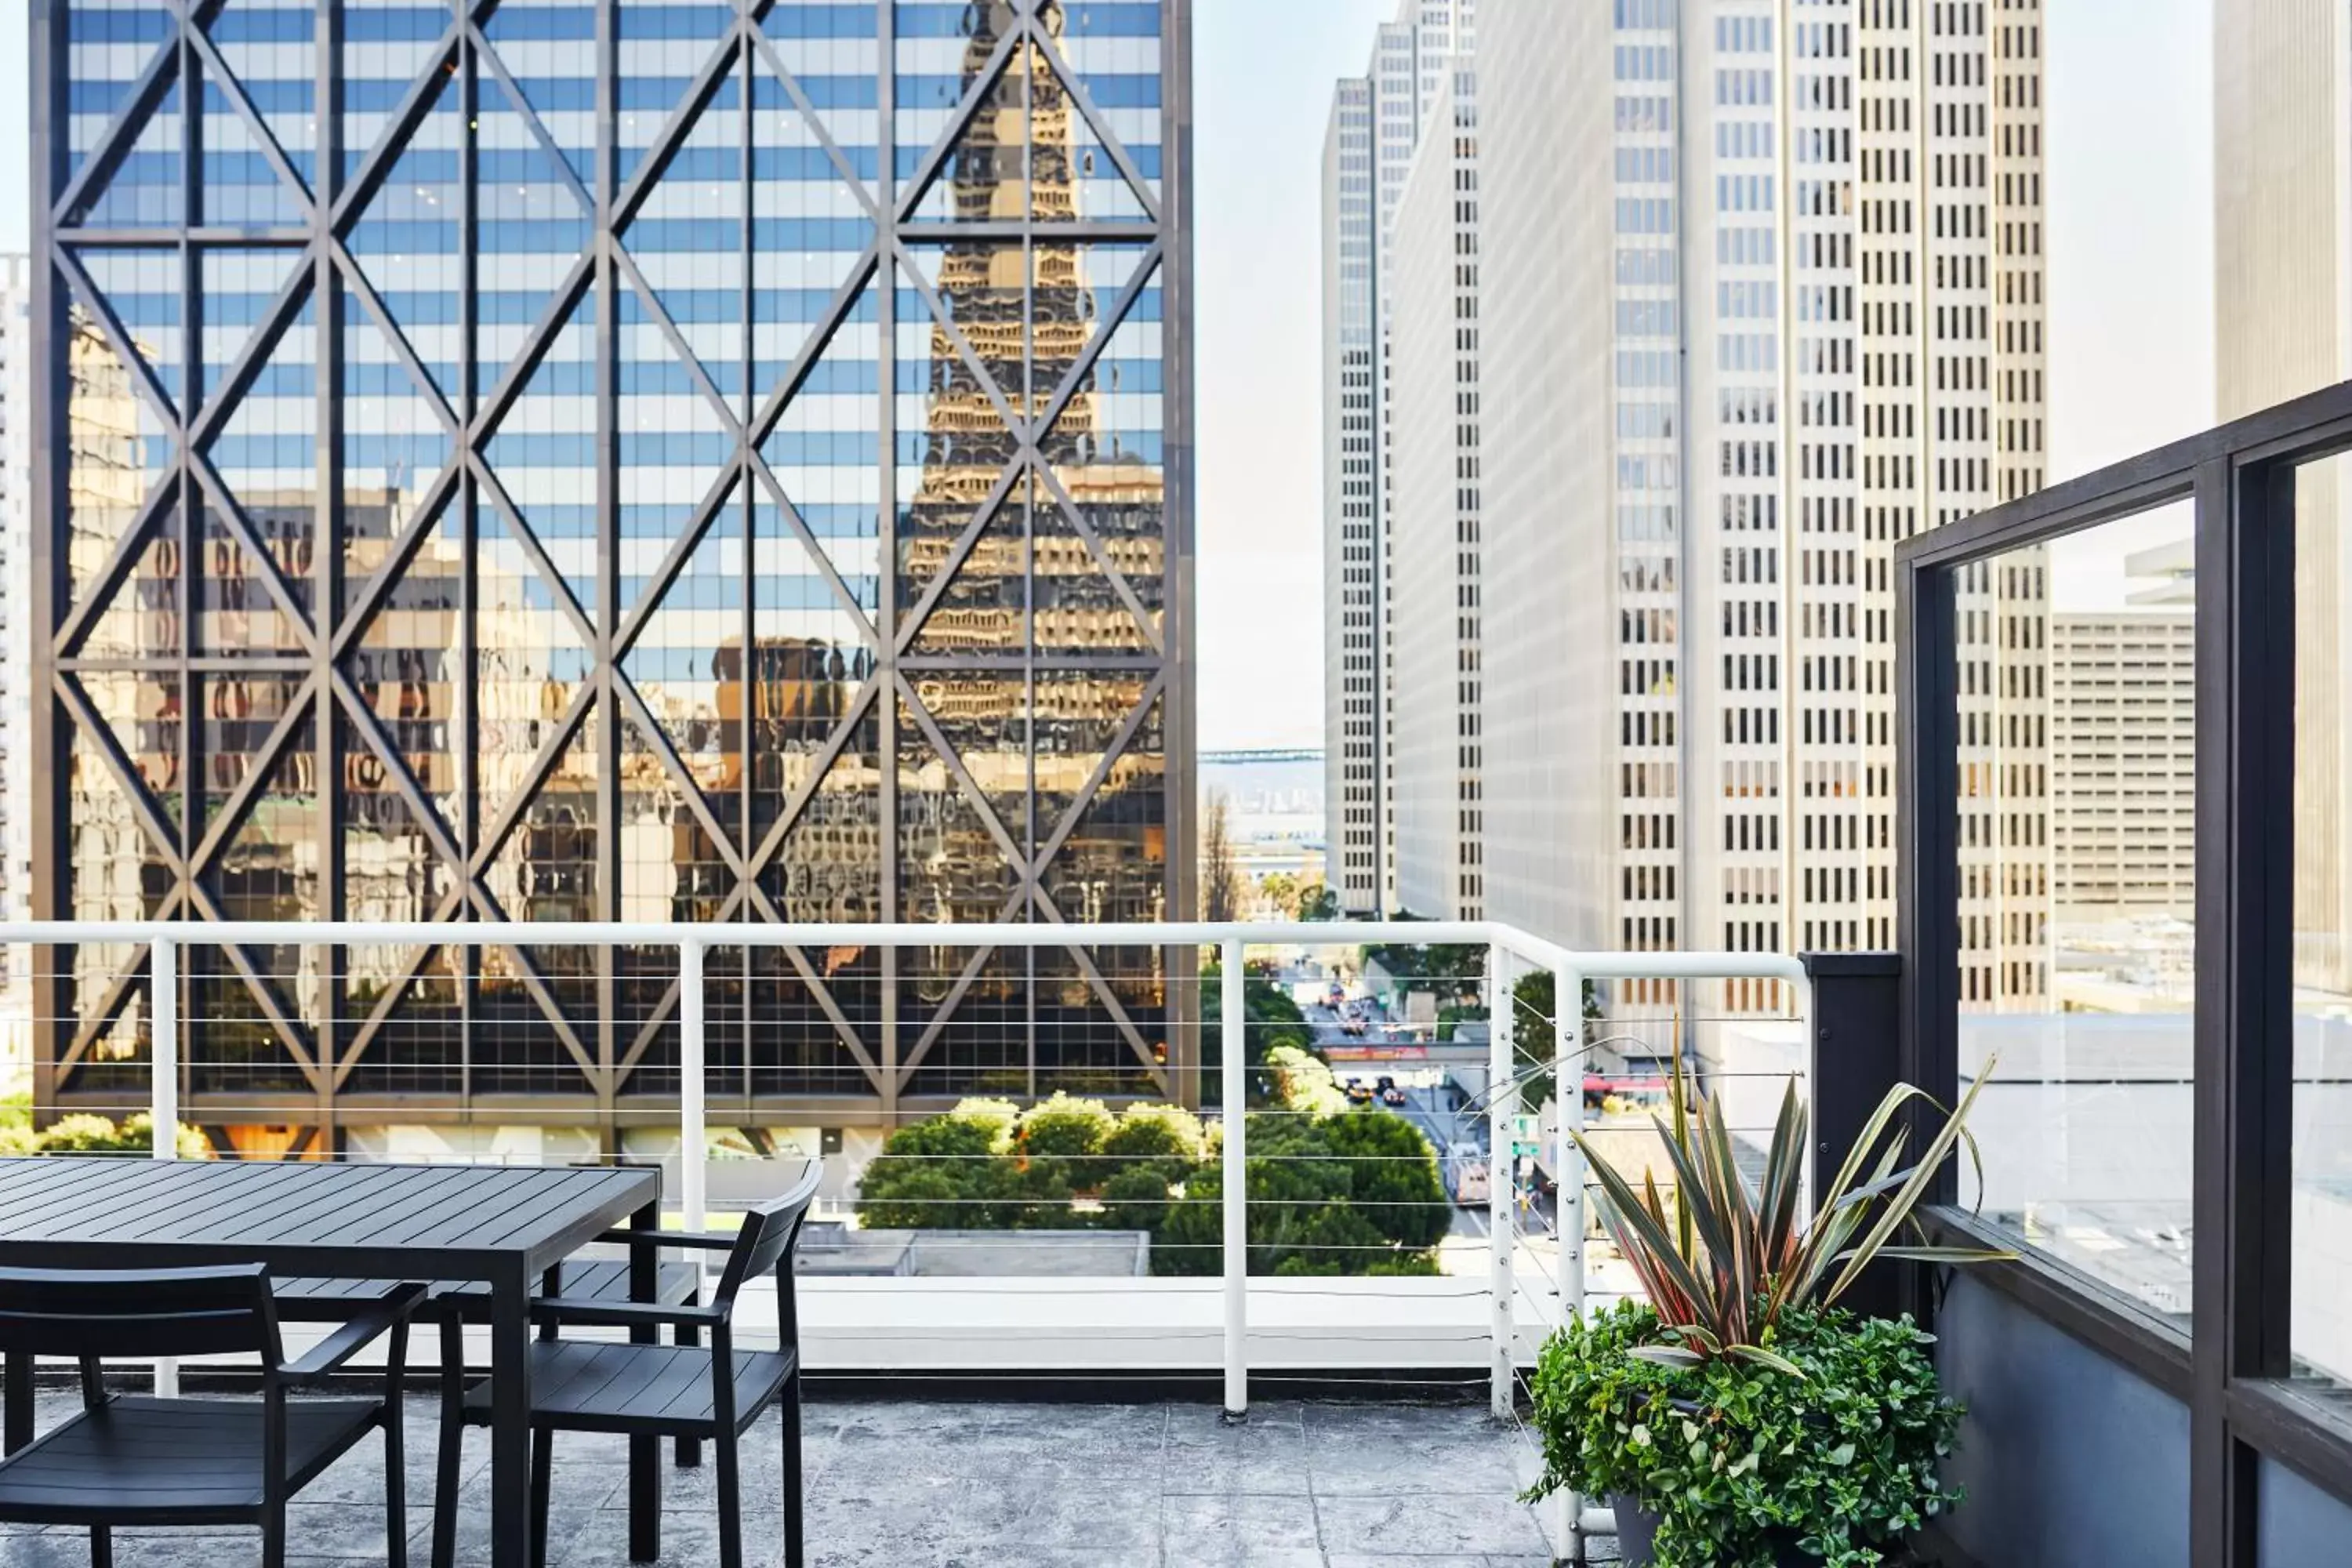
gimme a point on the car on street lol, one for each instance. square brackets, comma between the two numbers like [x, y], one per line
[1359, 1091]
[1465, 1173]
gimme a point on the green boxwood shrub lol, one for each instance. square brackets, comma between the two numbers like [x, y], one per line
[1737, 1457]
[1334, 1189]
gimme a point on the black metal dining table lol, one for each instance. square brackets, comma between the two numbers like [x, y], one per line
[497, 1226]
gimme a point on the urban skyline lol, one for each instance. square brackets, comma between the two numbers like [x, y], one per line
[1814, 236]
[2130, 241]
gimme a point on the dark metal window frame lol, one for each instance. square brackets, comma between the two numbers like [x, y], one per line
[2232, 1371]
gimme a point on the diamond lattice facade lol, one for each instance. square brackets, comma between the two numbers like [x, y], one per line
[602, 459]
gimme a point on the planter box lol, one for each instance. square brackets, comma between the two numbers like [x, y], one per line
[1636, 1527]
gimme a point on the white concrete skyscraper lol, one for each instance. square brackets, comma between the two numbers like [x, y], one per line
[1378, 121]
[2282, 327]
[1435, 552]
[1762, 297]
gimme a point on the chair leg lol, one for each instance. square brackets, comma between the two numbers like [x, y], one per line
[273, 1537]
[690, 1449]
[102, 1547]
[395, 1489]
[542, 1488]
[790, 1408]
[730, 1498]
[452, 1442]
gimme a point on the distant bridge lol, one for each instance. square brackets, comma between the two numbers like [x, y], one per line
[1302, 754]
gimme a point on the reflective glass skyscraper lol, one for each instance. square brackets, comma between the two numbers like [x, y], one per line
[616, 459]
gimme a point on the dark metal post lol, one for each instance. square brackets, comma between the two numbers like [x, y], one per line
[1855, 1058]
[509, 1415]
[1928, 830]
[50, 733]
[2244, 1136]
[645, 1453]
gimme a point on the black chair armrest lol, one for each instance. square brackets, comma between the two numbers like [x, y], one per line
[353, 1336]
[696, 1240]
[620, 1314]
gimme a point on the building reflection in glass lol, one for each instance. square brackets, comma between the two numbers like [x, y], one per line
[616, 669]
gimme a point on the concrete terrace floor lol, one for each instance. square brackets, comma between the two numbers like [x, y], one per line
[911, 1484]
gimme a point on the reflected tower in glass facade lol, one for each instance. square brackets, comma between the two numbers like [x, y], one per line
[611, 459]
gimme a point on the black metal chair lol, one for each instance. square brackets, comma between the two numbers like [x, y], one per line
[133, 1460]
[649, 1390]
[592, 1277]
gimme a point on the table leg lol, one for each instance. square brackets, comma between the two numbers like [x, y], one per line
[19, 1401]
[510, 1419]
[645, 1453]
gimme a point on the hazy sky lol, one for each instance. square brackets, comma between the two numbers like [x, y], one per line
[2130, 194]
[2130, 234]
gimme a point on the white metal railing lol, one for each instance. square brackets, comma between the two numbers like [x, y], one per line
[1509, 949]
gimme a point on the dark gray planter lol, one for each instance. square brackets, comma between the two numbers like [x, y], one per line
[1637, 1527]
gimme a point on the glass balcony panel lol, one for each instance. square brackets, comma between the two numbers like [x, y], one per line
[2077, 881]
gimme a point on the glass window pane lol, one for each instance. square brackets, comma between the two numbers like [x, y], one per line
[2321, 1332]
[2077, 779]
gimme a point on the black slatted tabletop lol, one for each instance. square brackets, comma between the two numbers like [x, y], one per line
[400, 1222]
[496, 1225]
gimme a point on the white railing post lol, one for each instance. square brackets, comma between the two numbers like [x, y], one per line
[1568, 1209]
[163, 1088]
[1503, 1103]
[1235, 1101]
[693, 1133]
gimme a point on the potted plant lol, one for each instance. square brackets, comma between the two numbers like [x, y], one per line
[1737, 1417]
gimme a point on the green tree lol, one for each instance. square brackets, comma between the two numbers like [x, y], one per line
[1533, 999]
[1353, 1193]
[1058, 1139]
[1303, 1084]
[87, 1134]
[1317, 902]
[1165, 1141]
[1137, 1198]
[942, 1173]
[1271, 1019]
[1220, 877]
[1392, 1177]
[1332, 1189]
[1281, 890]
[1449, 970]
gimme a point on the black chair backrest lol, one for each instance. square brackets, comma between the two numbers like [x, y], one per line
[767, 1234]
[95, 1314]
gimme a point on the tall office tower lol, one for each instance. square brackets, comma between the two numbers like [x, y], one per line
[1579, 655]
[1352, 625]
[1736, 498]
[2282, 327]
[624, 460]
[1974, 81]
[1434, 527]
[2123, 763]
[1377, 121]
[1824, 282]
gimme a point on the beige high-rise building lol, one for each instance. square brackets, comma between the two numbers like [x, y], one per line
[1434, 350]
[2282, 327]
[2123, 763]
[1814, 227]
[1566, 807]
[1378, 121]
